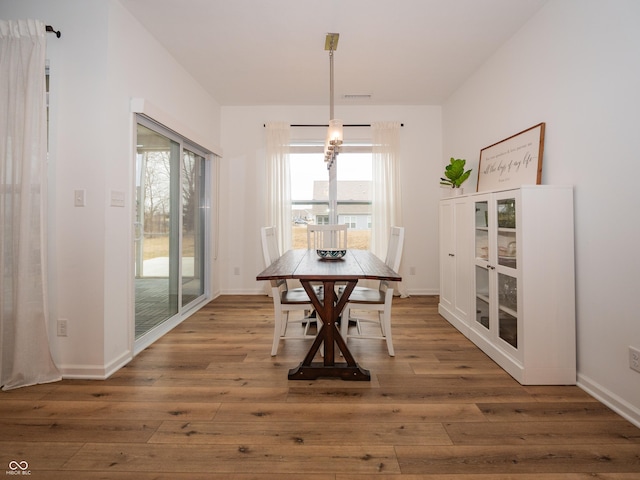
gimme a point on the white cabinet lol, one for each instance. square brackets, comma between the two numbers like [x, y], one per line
[522, 281]
[456, 244]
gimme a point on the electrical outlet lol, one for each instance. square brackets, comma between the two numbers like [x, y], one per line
[62, 327]
[634, 359]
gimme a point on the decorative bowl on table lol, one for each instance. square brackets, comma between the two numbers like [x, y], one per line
[331, 253]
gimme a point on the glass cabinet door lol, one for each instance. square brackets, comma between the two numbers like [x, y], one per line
[507, 281]
[496, 277]
[482, 230]
[508, 309]
[482, 296]
[482, 265]
[507, 247]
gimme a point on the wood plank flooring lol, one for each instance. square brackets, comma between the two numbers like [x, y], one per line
[207, 401]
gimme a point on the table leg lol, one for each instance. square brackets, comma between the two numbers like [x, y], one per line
[329, 311]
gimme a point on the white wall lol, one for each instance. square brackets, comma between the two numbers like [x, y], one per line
[575, 66]
[103, 59]
[243, 191]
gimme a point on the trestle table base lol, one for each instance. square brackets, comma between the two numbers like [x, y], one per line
[329, 336]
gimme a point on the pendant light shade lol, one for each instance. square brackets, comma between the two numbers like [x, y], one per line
[335, 131]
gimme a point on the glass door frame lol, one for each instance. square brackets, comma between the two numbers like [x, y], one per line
[176, 249]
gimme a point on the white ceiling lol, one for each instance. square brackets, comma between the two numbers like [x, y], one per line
[271, 52]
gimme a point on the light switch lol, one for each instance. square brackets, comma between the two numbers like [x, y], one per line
[79, 198]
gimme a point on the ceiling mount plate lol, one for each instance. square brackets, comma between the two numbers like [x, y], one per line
[331, 42]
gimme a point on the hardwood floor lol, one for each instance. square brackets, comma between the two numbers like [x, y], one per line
[207, 401]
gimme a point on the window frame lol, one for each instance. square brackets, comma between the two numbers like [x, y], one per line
[333, 204]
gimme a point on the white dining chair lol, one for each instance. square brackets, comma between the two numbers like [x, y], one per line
[286, 300]
[326, 236]
[375, 300]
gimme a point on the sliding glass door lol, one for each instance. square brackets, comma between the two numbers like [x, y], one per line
[171, 226]
[193, 222]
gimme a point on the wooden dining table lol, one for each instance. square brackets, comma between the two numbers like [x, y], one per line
[307, 267]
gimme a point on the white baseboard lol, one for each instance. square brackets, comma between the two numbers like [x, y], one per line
[118, 363]
[611, 400]
[424, 291]
[95, 372]
[461, 326]
[257, 291]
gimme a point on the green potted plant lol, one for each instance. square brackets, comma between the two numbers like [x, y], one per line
[455, 174]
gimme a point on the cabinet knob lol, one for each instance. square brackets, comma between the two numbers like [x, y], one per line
[451, 255]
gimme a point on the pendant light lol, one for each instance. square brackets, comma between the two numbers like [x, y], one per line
[334, 133]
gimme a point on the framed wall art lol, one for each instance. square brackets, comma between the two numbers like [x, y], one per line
[512, 162]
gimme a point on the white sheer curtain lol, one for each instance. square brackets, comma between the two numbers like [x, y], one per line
[386, 196]
[279, 182]
[25, 358]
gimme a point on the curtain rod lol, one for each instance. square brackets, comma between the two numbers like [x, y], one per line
[57, 32]
[326, 126]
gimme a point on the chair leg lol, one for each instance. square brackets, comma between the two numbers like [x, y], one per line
[385, 324]
[284, 324]
[276, 341]
[344, 323]
[277, 331]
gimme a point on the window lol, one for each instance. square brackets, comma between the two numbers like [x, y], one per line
[348, 220]
[310, 192]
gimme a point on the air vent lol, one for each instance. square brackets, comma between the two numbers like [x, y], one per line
[357, 96]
